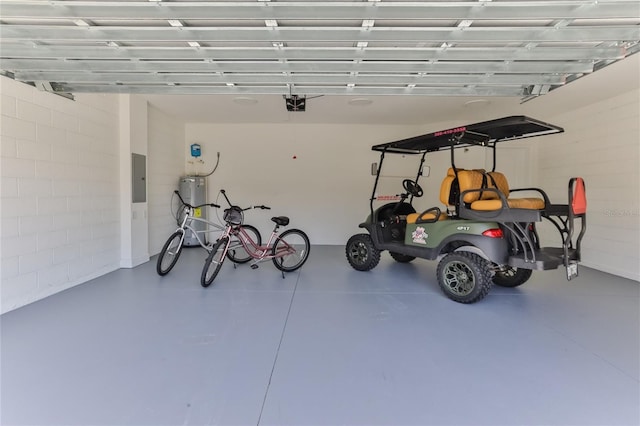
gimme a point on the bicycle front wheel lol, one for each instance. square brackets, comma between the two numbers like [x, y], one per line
[214, 262]
[292, 250]
[236, 252]
[170, 253]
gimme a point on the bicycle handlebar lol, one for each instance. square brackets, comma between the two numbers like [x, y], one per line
[263, 207]
[255, 207]
[195, 207]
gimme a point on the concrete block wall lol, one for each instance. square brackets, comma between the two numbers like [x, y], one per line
[166, 162]
[601, 143]
[60, 184]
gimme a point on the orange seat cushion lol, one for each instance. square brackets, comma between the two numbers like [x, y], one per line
[514, 203]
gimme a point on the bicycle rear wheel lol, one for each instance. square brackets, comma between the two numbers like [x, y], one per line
[296, 244]
[236, 252]
[170, 253]
[214, 262]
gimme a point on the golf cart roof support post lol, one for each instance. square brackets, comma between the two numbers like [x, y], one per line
[455, 169]
[453, 156]
[424, 154]
[375, 185]
[493, 168]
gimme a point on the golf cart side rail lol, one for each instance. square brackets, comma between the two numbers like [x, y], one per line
[483, 133]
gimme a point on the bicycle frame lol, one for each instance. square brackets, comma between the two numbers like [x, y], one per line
[281, 248]
[258, 252]
[190, 218]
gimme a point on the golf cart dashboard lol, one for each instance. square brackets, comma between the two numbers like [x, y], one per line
[483, 134]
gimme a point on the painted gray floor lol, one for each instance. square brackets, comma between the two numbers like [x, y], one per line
[326, 346]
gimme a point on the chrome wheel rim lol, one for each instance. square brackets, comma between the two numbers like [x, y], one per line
[459, 278]
[358, 253]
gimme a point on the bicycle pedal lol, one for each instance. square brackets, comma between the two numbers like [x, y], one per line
[254, 266]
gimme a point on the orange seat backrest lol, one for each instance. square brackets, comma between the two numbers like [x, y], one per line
[468, 180]
[499, 181]
[579, 202]
[474, 179]
[445, 189]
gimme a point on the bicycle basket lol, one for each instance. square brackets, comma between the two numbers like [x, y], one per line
[233, 215]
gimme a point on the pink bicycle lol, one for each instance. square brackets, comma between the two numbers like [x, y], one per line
[288, 250]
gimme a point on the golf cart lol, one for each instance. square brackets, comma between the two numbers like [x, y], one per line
[483, 235]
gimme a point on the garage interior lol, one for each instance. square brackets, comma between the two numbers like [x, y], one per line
[92, 335]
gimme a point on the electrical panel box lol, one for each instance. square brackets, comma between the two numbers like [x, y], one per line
[193, 190]
[138, 178]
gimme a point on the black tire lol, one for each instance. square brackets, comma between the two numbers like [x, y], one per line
[214, 262]
[361, 253]
[512, 277]
[170, 253]
[236, 252]
[402, 258]
[464, 277]
[297, 240]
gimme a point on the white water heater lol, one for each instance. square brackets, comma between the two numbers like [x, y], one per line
[193, 190]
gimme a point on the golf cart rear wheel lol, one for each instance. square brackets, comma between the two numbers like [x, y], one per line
[464, 277]
[512, 277]
[361, 253]
[402, 258]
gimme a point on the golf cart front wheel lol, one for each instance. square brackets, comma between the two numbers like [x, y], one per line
[361, 253]
[464, 277]
[511, 277]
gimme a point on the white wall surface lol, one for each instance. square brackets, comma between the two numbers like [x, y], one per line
[134, 224]
[601, 117]
[60, 219]
[166, 162]
[325, 190]
[601, 143]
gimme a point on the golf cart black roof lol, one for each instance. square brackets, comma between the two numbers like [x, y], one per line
[484, 133]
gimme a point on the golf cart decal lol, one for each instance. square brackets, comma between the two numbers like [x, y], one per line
[419, 236]
[388, 197]
[450, 131]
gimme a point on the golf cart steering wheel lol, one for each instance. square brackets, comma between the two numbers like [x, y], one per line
[412, 188]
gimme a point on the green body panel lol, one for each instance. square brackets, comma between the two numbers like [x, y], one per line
[431, 234]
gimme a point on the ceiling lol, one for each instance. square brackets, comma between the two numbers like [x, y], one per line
[246, 50]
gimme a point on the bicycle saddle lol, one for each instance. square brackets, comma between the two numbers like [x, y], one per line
[280, 220]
